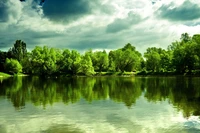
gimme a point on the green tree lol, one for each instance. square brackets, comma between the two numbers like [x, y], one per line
[179, 59]
[125, 59]
[100, 61]
[185, 38]
[26, 63]
[71, 62]
[191, 58]
[66, 62]
[18, 51]
[196, 43]
[3, 56]
[153, 59]
[185, 55]
[59, 61]
[196, 38]
[111, 58]
[43, 60]
[13, 66]
[75, 60]
[173, 46]
[166, 61]
[86, 65]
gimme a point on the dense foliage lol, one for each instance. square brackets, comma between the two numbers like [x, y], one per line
[181, 57]
[12, 66]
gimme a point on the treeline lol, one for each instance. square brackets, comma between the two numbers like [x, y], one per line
[181, 57]
[50, 61]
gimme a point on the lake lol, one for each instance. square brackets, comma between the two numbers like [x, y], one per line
[100, 105]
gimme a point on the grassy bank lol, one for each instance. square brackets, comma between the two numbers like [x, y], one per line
[99, 74]
[114, 74]
[4, 74]
[147, 73]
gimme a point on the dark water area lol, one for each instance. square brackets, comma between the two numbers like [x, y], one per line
[100, 105]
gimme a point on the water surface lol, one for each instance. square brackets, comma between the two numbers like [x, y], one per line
[100, 105]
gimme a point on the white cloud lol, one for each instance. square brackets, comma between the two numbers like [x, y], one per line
[30, 24]
[11, 11]
[90, 118]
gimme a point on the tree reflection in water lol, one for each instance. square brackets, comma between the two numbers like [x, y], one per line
[181, 92]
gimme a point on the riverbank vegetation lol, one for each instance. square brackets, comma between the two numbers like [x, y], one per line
[181, 57]
[4, 74]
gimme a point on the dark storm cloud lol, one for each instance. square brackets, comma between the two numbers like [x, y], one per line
[32, 38]
[193, 23]
[65, 10]
[118, 25]
[4, 14]
[35, 3]
[123, 24]
[93, 44]
[186, 11]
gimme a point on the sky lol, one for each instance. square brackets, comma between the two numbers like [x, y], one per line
[97, 24]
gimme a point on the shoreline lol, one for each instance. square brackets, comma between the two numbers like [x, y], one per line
[109, 74]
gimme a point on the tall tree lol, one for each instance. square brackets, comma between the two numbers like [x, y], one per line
[66, 62]
[185, 55]
[196, 38]
[43, 60]
[152, 59]
[26, 63]
[112, 65]
[166, 61]
[18, 51]
[76, 59]
[125, 59]
[100, 61]
[3, 56]
[86, 65]
[185, 38]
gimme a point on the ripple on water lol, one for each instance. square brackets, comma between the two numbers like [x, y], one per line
[63, 128]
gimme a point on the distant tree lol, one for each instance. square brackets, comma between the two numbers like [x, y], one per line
[143, 65]
[196, 45]
[173, 46]
[18, 51]
[128, 46]
[185, 38]
[3, 56]
[112, 66]
[196, 42]
[86, 65]
[165, 60]
[26, 63]
[43, 60]
[191, 57]
[196, 38]
[12, 66]
[71, 61]
[152, 60]
[186, 54]
[158, 59]
[75, 62]
[66, 62]
[100, 61]
[125, 59]
[59, 60]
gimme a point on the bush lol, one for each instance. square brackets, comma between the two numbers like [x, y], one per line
[12, 66]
